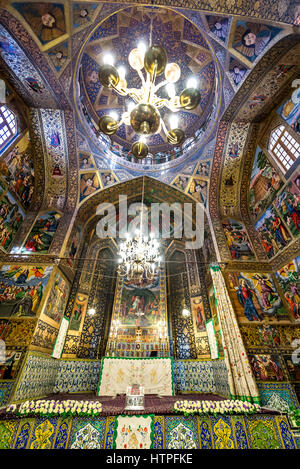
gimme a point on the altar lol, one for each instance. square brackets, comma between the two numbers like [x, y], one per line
[153, 374]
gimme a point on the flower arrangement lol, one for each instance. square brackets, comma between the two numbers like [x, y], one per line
[216, 407]
[50, 408]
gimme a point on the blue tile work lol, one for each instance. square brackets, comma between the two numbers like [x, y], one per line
[5, 391]
[77, 376]
[201, 376]
[280, 395]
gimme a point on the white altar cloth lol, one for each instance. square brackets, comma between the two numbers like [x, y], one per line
[154, 374]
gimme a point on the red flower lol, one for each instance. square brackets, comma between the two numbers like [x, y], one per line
[141, 445]
[125, 446]
[145, 429]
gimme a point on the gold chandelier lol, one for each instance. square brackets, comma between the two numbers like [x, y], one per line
[143, 111]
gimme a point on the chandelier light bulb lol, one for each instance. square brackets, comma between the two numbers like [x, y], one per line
[136, 59]
[131, 106]
[142, 47]
[192, 83]
[114, 115]
[91, 311]
[185, 311]
[174, 121]
[171, 90]
[122, 72]
[172, 72]
[108, 59]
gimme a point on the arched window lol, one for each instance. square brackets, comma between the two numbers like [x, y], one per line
[8, 126]
[284, 147]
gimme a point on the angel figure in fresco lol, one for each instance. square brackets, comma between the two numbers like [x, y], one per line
[268, 295]
[220, 27]
[47, 20]
[198, 190]
[245, 295]
[87, 186]
[251, 39]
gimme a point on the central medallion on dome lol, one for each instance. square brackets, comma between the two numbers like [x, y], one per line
[147, 83]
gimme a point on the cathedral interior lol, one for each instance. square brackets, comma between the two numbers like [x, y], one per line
[182, 335]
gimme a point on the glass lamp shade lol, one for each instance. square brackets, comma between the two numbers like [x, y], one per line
[145, 119]
[172, 72]
[155, 60]
[136, 59]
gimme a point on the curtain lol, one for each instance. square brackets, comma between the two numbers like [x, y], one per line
[241, 381]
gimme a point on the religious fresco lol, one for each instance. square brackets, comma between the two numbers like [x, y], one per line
[89, 183]
[17, 170]
[139, 320]
[85, 161]
[198, 314]
[22, 289]
[250, 39]
[59, 56]
[219, 26]
[11, 218]
[237, 71]
[255, 297]
[290, 110]
[180, 182]
[237, 240]
[74, 244]
[288, 205]
[272, 232]
[140, 304]
[57, 299]
[107, 178]
[198, 189]
[78, 312]
[265, 183]
[10, 367]
[202, 170]
[40, 237]
[47, 20]
[288, 279]
[83, 14]
[267, 367]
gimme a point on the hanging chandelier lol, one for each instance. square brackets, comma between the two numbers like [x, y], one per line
[143, 109]
[139, 257]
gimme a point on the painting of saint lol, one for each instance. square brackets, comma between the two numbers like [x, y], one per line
[85, 161]
[203, 169]
[288, 204]
[140, 303]
[289, 281]
[198, 314]
[82, 14]
[41, 235]
[198, 190]
[251, 39]
[11, 218]
[219, 26]
[269, 335]
[57, 300]
[180, 182]
[107, 178]
[266, 367]
[237, 240]
[254, 297]
[17, 170]
[74, 246]
[78, 313]
[21, 289]
[272, 232]
[237, 71]
[47, 20]
[264, 184]
[89, 183]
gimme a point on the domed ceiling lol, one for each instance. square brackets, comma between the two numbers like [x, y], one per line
[184, 44]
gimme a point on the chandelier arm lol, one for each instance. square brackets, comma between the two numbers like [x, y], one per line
[121, 91]
[140, 73]
[164, 127]
[159, 85]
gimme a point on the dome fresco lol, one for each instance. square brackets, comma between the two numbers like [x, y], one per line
[185, 44]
